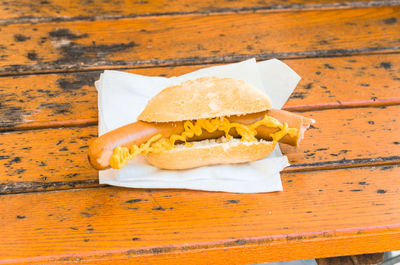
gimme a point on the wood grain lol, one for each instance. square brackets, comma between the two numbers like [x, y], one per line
[71, 99]
[56, 158]
[61, 46]
[25, 11]
[319, 214]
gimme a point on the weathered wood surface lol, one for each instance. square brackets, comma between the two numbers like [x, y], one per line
[71, 99]
[56, 158]
[333, 212]
[25, 11]
[61, 46]
[322, 212]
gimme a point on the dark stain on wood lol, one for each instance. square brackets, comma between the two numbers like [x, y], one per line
[390, 21]
[387, 167]
[86, 214]
[321, 149]
[90, 54]
[71, 175]
[355, 190]
[134, 201]
[328, 66]
[21, 216]
[74, 56]
[78, 81]
[16, 159]
[57, 108]
[294, 238]
[396, 142]
[32, 55]
[231, 201]
[19, 187]
[20, 170]
[135, 238]
[159, 208]
[21, 38]
[386, 65]
[296, 94]
[380, 191]
[308, 86]
[371, 122]
[66, 34]
[240, 242]
[11, 116]
[363, 183]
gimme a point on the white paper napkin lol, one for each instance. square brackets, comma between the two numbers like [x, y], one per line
[122, 97]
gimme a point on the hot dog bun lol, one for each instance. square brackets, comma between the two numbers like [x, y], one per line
[205, 97]
[211, 152]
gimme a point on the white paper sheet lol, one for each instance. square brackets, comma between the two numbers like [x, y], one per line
[123, 96]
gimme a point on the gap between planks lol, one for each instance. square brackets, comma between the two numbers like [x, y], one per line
[268, 9]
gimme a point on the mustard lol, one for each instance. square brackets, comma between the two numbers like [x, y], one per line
[156, 144]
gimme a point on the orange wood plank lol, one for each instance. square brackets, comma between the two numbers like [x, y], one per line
[71, 99]
[320, 213]
[61, 46]
[56, 158]
[25, 10]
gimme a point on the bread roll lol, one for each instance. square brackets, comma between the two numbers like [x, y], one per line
[205, 97]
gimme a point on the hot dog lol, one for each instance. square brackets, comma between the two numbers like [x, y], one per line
[100, 151]
[214, 108]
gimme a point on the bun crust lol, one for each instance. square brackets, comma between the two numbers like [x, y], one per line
[205, 97]
[209, 152]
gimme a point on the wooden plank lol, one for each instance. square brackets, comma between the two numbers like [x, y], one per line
[61, 46]
[319, 214]
[56, 158]
[71, 99]
[55, 10]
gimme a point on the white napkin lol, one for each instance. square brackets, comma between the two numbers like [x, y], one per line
[122, 97]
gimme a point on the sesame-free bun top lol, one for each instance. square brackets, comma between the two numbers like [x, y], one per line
[205, 97]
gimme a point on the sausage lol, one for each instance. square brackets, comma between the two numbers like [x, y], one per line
[101, 149]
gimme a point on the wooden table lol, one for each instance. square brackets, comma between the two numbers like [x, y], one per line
[341, 194]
